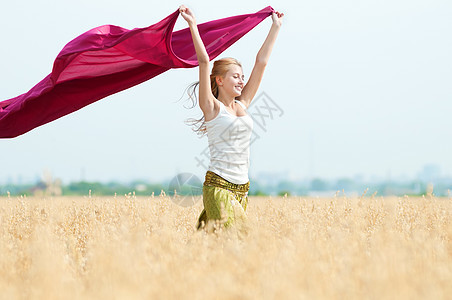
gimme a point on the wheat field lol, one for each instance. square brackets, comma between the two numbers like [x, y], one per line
[294, 248]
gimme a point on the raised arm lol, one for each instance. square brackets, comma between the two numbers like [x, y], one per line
[206, 98]
[251, 87]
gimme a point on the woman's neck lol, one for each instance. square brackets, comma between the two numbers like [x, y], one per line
[227, 100]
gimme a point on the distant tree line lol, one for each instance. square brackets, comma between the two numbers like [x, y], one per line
[441, 187]
[140, 188]
[285, 187]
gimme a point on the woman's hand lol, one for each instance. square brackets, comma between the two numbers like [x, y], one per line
[277, 18]
[187, 14]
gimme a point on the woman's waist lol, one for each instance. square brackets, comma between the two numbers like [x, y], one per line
[213, 179]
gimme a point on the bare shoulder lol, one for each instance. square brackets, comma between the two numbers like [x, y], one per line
[245, 102]
[211, 114]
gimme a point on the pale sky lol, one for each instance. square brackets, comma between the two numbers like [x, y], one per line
[365, 88]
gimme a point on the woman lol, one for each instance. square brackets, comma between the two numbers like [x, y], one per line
[223, 99]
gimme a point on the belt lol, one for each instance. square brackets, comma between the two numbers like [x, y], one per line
[215, 180]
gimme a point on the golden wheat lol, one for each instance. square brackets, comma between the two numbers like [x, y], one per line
[295, 248]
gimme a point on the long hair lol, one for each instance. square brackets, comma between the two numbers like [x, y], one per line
[220, 68]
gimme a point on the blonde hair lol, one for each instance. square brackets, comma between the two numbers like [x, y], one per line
[219, 69]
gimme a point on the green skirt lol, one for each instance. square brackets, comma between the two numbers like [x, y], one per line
[224, 202]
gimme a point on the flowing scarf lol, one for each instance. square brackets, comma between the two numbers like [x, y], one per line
[109, 59]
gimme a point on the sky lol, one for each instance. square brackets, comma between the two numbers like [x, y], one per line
[362, 88]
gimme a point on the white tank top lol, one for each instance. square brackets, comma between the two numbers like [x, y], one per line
[229, 143]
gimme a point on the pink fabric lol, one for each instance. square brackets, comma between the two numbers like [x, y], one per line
[109, 59]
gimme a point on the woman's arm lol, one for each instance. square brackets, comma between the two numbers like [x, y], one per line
[206, 98]
[251, 87]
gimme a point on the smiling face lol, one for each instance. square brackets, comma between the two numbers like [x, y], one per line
[231, 84]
